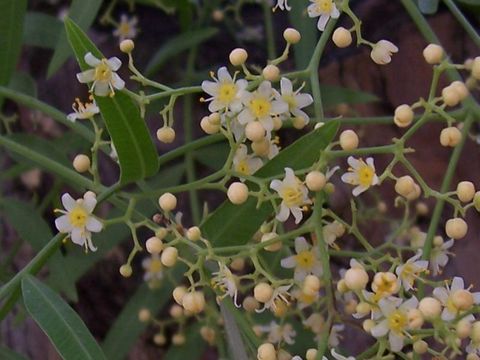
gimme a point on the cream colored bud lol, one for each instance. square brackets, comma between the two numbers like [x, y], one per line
[450, 136]
[237, 264]
[254, 131]
[415, 194]
[262, 292]
[176, 311]
[167, 202]
[420, 347]
[349, 140]
[342, 286]
[214, 118]
[178, 339]
[194, 302]
[433, 54]
[159, 339]
[311, 285]
[342, 37]
[350, 306]
[438, 241]
[456, 228]
[127, 46]
[415, 319]
[208, 127]
[272, 247]
[208, 334]
[356, 278]
[382, 207]
[81, 163]
[178, 294]
[144, 315]
[368, 325]
[238, 56]
[405, 185]
[315, 180]
[218, 15]
[476, 68]
[311, 354]
[475, 335]
[363, 308]
[476, 201]
[450, 96]
[126, 270]
[161, 232]
[271, 72]
[266, 352]
[422, 208]
[403, 116]
[465, 191]
[237, 193]
[194, 233]
[154, 245]
[430, 308]
[292, 36]
[387, 281]
[461, 89]
[250, 304]
[166, 134]
[169, 256]
[299, 122]
[463, 299]
[382, 52]
[261, 148]
[463, 328]
[277, 123]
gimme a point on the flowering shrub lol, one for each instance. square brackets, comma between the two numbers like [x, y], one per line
[276, 271]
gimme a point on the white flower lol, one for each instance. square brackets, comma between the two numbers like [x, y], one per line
[305, 300]
[260, 106]
[411, 270]
[445, 295]
[295, 100]
[77, 220]
[334, 337]
[395, 323]
[332, 231]
[326, 9]
[305, 261]
[127, 28]
[226, 282]
[244, 163]
[293, 193]
[225, 91]
[382, 52]
[280, 294]
[103, 76]
[153, 270]
[361, 173]
[283, 5]
[439, 256]
[83, 111]
[279, 333]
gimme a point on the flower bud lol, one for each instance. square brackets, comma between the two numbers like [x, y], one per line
[166, 134]
[167, 202]
[315, 180]
[363, 308]
[450, 96]
[208, 127]
[159, 339]
[368, 325]
[311, 354]
[356, 278]
[261, 148]
[144, 315]
[299, 122]
[178, 339]
[176, 311]
[462, 299]
[348, 140]
[254, 131]
[476, 68]
[194, 302]
[291, 36]
[81, 163]
[266, 352]
[433, 54]
[208, 334]
[250, 304]
[273, 247]
[342, 286]
[461, 89]
[422, 208]
[127, 46]
[169, 256]
[403, 116]
[475, 335]
[430, 308]
[218, 15]
[450, 136]
[342, 37]
[178, 294]
[415, 319]
[238, 56]
[161, 232]
[237, 264]
[262, 292]
[311, 285]
[126, 270]
[420, 346]
[456, 228]
[382, 52]
[350, 306]
[271, 72]
[476, 201]
[465, 191]
[154, 245]
[405, 185]
[463, 328]
[237, 193]
[194, 233]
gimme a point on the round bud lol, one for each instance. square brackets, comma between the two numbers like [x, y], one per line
[262, 292]
[126, 270]
[299, 122]
[127, 46]
[277, 123]
[144, 315]
[214, 118]
[465, 191]
[342, 286]
[437, 241]
[159, 339]
[476, 68]
[350, 306]
[422, 208]
[405, 185]
[161, 232]
[208, 127]
[368, 325]
[266, 352]
[461, 89]
[403, 116]
[311, 285]
[450, 136]
[291, 36]
[166, 134]
[237, 193]
[218, 15]
[194, 302]
[169, 256]
[363, 308]
[456, 228]
[315, 180]
[176, 311]
[476, 200]
[254, 131]
[415, 319]
[238, 264]
[261, 148]
[167, 202]
[250, 304]
[475, 335]
[348, 140]
[433, 54]
[178, 294]
[208, 334]
[462, 299]
[194, 233]
[238, 56]
[178, 339]
[342, 37]
[311, 354]
[272, 247]
[450, 96]
[271, 72]
[430, 308]
[356, 278]
[81, 163]
[463, 328]
[154, 245]
[420, 347]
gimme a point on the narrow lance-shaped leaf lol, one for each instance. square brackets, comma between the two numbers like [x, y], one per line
[136, 153]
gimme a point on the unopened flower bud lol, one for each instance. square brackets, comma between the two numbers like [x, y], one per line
[261, 148]
[463, 299]
[250, 304]
[476, 68]
[450, 96]
[450, 136]
[237, 264]
[368, 325]
[272, 247]
[194, 302]
[461, 89]
[208, 127]
[363, 308]
[415, 319]
[405, 185]
[311, 285]
[169, 256]
[349, 140]
[178, 294]
[463, 328]
[311, 354]
[342, 37]
[271, 72]
[299, 122]
[214, 118]
[81, 163]
[178, 339]
[159, 339]
[266, 352]
[238, 56]
[465, 191]
[456, 228]
[126, 270]
[208, 334]
[176, 311]
[167, 202]
[403, 116]
[433, 54]
[356, 278]
[430, 308]
[127, 46]
[262, 292]
[254, 131]
[154, 245]
[476, 201]
[144, 315]
[315, 180]
[291, 36]
[237, 193]
[475, 335]
[194, 233]
[420, 346]
[166, 134]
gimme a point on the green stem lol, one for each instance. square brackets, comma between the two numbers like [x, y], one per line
[463, 21]
[267, 14]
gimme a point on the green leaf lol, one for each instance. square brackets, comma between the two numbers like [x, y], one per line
[222, 228]
[41, 30]
[24, 83]
[308, 28]
[334, 95]
[59, 322]
[7, 354]
[212, 156]
[234, 336]
[192, 349]
[176, 45]
[83, 12]
[136, 153]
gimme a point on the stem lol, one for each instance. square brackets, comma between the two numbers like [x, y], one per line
[463, 21]
[267, 14]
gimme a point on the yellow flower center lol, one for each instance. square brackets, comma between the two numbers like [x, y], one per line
[260, 107]
[124, 29]
[103, 71]
[78, 217]
[385, 286]
[290, 100]
[324, 6]
[227, 92]
[365, 175]
[292, 196]
[243, 168]
[397, 321]
[155, 265]
[305, 259]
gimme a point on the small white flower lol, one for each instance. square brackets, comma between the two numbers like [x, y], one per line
[450, 311]
[411, 270]
[244, 163]
[295, 100]
[361, 173]
[260, 106]
[439, 256]
[331, 232]
[127, 28]
[153, 270]
[103, 75]
[225, 91]
[305, 300]
[305, 261]
[279, 333]
[280, 294]
[226, 282]
[294, 195]
[283, 5]
[395, 323]
[382, 52]
[326, 9]
[83, 111]
[77, 220]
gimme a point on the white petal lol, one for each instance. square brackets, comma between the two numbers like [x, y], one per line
[301, 244]
[441, 294]
[114, 63]
[297, 214]
[265, 89]
[267, 123]
[91, 60]
[72, 117]
[117, 82]
[350, 178]
[286, 86]
[68, 202]
[303, 100]
[245, 117]
[101, 88]
[284, 213]
[279, 107]
[354, 163]
[300, 275]
[86, 76]
[396, 342]
[215, 106]
[78, 236]
[276, 185]
[224, 75]
[335, 13]
[89, 203]
[380, 330]
[457, 284]
[63, 224]
[358, 190]
[289, 262]
[322, 21]
[93, 224]
[210, 87]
